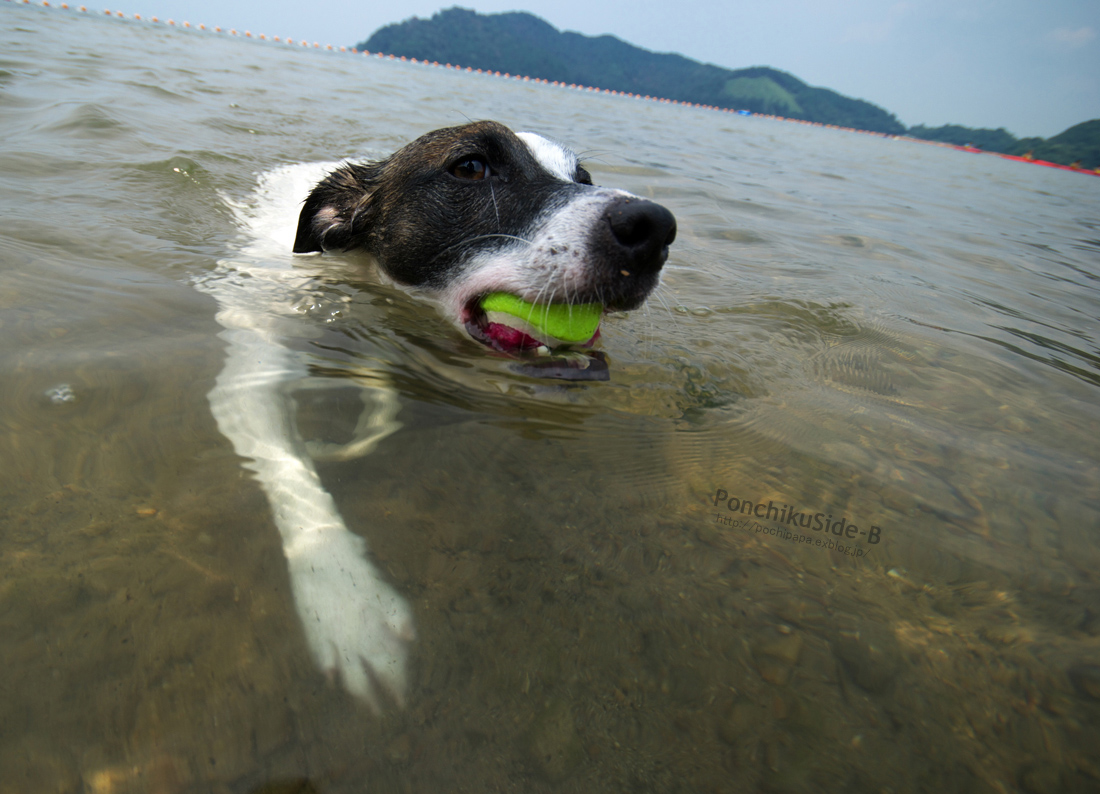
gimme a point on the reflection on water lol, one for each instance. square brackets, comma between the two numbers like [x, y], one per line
[832, 525]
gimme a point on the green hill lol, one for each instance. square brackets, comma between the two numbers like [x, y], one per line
[1080, 142]
[998, 140]
[520, 43]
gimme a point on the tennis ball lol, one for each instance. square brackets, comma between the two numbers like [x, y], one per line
[564, 322]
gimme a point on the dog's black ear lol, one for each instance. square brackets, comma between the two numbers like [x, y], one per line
[307, 240]
[336, 209]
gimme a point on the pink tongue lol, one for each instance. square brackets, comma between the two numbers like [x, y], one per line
[510, 338]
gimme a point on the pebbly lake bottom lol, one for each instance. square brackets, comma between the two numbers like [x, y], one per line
[896, 338]
[583, 624]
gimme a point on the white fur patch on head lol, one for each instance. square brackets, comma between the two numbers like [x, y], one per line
[553, 263]
[554, 157]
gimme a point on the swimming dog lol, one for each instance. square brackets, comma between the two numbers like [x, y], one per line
[457, 215]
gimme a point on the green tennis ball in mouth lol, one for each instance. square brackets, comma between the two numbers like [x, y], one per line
[570, 323]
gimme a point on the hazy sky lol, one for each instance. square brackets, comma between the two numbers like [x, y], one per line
[1031, 66]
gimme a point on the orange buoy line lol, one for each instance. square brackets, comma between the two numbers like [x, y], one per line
[557, 84]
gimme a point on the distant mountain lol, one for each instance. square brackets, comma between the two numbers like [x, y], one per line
[1080, 142]
[520, 43]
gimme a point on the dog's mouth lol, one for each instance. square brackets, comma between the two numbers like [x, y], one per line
[547, 340]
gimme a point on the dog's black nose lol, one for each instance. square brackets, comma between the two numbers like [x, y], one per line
[642, 230]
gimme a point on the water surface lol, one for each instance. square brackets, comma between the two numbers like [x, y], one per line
[883, 334]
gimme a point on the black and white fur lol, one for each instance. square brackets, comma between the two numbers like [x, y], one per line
[456, 214]
[466, 211]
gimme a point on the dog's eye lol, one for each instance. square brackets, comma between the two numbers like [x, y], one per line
[472, 168]
[583, 177]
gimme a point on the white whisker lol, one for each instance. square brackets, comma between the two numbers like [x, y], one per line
[496, 209]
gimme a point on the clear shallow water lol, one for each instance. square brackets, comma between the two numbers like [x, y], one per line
[893, 334]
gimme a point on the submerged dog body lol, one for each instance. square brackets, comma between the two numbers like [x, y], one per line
[459, 214]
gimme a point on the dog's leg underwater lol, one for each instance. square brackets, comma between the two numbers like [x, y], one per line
[376, 421]
[356, 624]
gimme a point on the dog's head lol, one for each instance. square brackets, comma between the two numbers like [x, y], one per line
[469, 211]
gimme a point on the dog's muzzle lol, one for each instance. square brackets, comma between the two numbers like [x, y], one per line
[631, 247]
